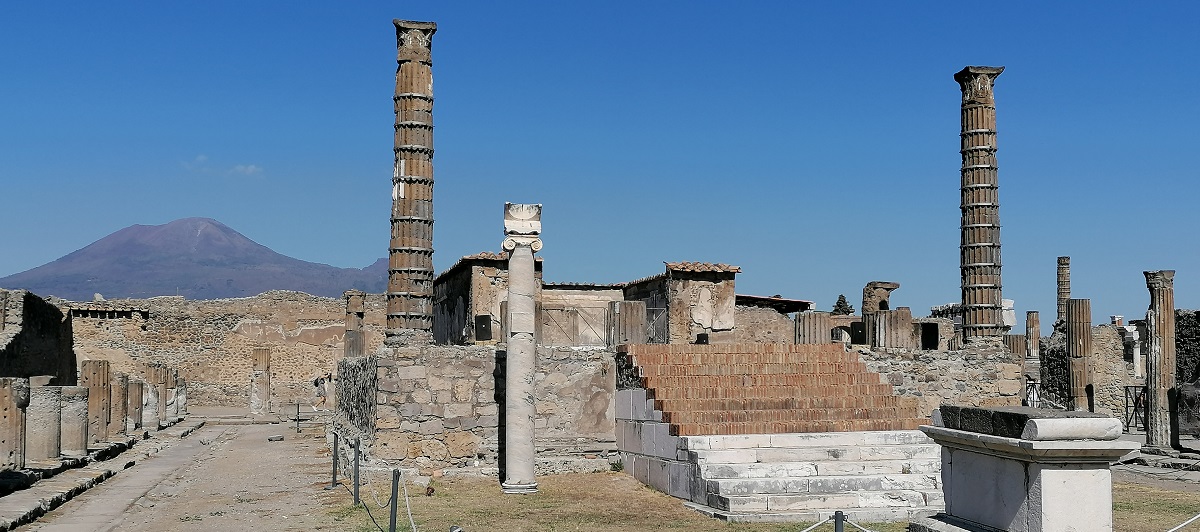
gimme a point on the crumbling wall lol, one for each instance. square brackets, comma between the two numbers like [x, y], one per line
[1109, 371]
[984, 373]
[701, 304]
[441, 407]
[355, 392]
[1187, 346]
[451, 307]
[764, 325]
[211, 341]
[35, 338]
[575, 317]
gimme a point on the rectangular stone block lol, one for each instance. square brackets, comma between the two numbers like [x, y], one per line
[623, 402]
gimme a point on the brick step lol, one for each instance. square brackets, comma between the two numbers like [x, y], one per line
[845, 425]
[770, 379]
[718, 471]
[710, 391]
[822, 485]
[896, 499]
[772, 403]
[836, 357]
[784, 415]
[822, 368]
[879, 440]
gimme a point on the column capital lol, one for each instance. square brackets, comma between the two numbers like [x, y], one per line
[1064, 261]
[976, 83]
[1159, 279]
[522, 226]
[414, 40]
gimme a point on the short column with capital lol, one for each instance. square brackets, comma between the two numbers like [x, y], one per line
[522, 230]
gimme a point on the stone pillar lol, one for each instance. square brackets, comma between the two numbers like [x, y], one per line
[173, 394]
[94, 374]
[1064, 287]
[1033, 346]
[410, 257]
[134, 400]
[181, 396]
[626, 322]
[1079, 353]
[1160, 371]
[160, 392]
[522, 228]
[74, 441]
[814, 328]
[354, 342]
[260, 381]
[980, 244]
[118, 405]
[150, 418]
[14, 400]
[43, 423]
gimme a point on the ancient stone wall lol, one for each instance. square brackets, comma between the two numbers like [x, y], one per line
[765, 325]
[1187, 346]
[211, 341]
[438, 406]
[575, 317]
[35, 338]
[1110, 371]
[982, 374]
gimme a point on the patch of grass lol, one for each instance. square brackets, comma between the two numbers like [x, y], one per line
[1142, 508]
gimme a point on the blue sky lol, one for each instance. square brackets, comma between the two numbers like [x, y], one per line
[813, 144]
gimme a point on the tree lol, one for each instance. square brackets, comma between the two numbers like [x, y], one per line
[842, 308]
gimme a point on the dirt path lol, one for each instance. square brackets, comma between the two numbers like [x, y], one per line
[219, 478]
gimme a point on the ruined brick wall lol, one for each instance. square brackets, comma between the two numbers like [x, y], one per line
[210, 341]
[355, 386]
[1110, 371]
[983, 374]
[763, 325]
[439, 406]
[35, 338]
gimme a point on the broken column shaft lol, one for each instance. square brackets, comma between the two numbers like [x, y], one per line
[1160, 373]
[1079, 353]
[1064, 287]
[14, 400]
[43, 423]
[74, 428]
[410, 255]
[980, 244]
[1033, 348]
[522, 227]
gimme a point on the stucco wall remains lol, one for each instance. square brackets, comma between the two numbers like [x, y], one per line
[984, 373]
[210, 341]
[35, 338]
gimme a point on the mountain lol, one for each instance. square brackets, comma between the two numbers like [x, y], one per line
[199, 258]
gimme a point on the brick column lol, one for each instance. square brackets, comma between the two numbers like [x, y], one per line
[522, 228]
[1033, 347]
[980, 244]
[354, 343]
[1064, 287]
[94, 374]
[135, 399]
[1079, 353]
[1160, 373]
[410, 257]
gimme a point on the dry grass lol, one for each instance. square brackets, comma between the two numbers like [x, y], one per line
[616, 502]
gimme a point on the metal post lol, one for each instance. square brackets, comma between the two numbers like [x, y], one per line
[839, 520]
[395, 492]
[333, 483]
[297, 417]
[357, 444]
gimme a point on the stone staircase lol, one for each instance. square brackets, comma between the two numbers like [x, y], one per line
[774, 432]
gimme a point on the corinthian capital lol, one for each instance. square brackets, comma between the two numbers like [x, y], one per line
[1159, 279]
[414, 40]
[976, 83]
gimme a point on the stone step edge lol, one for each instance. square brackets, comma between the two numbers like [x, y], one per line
[858, 515]
[813, 439]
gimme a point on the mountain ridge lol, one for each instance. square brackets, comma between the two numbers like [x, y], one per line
[198, 258]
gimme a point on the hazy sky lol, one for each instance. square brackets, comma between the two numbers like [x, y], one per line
[813, 144]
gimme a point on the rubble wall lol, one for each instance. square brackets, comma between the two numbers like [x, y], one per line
[984, 373]
[763, 325]
[35, 338]
[1109, 371]
[440, 407]
[210, 341]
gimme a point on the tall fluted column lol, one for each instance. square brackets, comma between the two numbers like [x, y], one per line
[1160, 375]
[1064, 287]
[410, 256]
[980, 245]
[522, 228]
[1033, 348]
[1079, 353]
